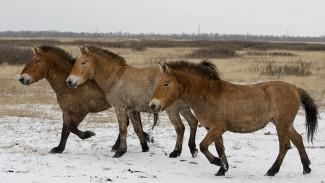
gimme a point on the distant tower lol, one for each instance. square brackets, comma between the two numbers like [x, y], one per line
[198, 30]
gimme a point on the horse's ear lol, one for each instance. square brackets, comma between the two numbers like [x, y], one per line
[84, 50]
[161, 68]
[37, 49]
[167, 69]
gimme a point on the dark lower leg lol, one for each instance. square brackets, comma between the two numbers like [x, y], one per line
[122, 120]
[221, 152]
[296, 139]
[211, 136]
[137, 126]
[284, 147]
[64, 137]
[193, 122]
[83, 135]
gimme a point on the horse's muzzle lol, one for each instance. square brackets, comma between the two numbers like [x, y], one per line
[24, 80]
[155, 105]
[71, 84]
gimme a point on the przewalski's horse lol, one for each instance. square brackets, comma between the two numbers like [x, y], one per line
[128, 89]
[221, 106]
[54, 64]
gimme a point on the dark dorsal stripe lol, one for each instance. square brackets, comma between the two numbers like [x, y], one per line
[60, 52]
[204, 68]
[106, 53]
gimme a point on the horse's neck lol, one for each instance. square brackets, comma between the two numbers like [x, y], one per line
[195, 89]
[106, 75]
[57, 79]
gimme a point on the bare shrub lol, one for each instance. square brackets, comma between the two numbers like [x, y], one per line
[299, 68]
[265, 53]
[14, 55]
[212, 52]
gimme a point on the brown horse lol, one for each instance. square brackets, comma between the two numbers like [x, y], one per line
[54, 64]
[128, 89]
[221, 106]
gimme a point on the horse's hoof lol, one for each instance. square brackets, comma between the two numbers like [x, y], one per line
[270, 173]
[56, 150]
[175, 154]
[307, 170]
[194, 152]
[145, 148]
[89, 134]
[221, 172]
[119, 153]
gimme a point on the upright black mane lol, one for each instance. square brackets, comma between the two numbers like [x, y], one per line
[204, 68]
[60, 52]
[107, 54]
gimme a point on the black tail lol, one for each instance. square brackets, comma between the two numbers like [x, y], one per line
[311, 113]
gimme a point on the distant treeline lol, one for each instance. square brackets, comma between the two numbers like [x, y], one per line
[183, 36]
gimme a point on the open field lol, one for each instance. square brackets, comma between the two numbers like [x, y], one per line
[31, 120]
[302, 64]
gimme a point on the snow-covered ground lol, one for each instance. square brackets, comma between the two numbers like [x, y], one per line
[25, 143]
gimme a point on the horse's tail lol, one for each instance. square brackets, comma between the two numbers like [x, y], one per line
[311, 112]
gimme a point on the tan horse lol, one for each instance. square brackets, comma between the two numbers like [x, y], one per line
[221, 106]
[128, 89]
[54, 64]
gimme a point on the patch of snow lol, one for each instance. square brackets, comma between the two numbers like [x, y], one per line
[26, 142]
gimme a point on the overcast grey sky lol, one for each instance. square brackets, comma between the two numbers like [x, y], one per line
[260, 17]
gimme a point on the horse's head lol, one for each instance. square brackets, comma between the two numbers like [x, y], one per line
[83, 69]
[35, 69]
[167, 90]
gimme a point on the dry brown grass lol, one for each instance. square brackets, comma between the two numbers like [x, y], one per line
[239, 69]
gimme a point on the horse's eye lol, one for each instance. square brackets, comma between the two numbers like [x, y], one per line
[36, 62]
[165, 84]
[83, 63]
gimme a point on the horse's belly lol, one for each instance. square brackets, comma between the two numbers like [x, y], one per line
[247, 126]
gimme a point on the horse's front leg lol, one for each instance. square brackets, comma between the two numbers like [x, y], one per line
[212, 135]
[221, 152]
[175, 119]
[137, 126]
[76, 119]
[192, 122]
[123, 123]
[64, 135]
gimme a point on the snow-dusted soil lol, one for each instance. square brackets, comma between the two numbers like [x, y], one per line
[25, 143]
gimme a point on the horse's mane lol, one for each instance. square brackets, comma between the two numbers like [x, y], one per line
[204, 68]
[106, 53]
[60, 52]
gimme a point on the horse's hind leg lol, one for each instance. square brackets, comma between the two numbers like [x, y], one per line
[212, 136]
[283, 135]
[192, 122]
[179, 128]
[221, 152]
[296, 139]
[137, 126]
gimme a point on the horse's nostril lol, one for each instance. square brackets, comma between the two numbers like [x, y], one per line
[69, 82]
[153, 106]
[21, 80]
